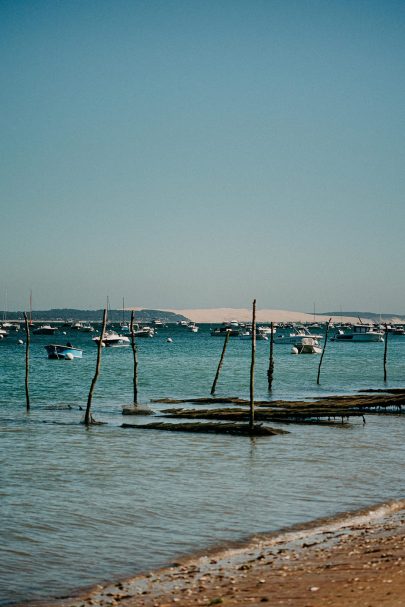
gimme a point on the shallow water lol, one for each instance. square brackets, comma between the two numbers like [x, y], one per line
[79, 506]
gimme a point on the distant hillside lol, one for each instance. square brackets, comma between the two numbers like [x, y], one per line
[63, 314]
[369, 316]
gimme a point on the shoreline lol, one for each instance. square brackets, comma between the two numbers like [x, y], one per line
[354, 558]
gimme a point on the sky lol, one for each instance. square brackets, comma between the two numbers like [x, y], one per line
[199, 154]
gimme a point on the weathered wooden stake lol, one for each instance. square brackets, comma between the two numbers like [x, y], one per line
[88, 419]
[27, 362]
[323, 350]
[221, 360]
[270, 370]
[385, 352]
[135, 355]
[252, 369]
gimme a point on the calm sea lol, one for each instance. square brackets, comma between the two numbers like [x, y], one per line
[79, 506]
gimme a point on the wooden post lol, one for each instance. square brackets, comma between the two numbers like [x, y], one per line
[271, 359]
[135, 355]
[88, 419]
[252, 369]
[323, 350]
[27, 363]
[221, 360]
[385, 352]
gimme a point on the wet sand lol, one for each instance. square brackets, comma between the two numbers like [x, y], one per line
[355, 559]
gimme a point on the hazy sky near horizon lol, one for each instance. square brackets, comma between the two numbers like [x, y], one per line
[202, 153]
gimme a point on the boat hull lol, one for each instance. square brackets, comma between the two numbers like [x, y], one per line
[45, 331]
[365, 338]
[292, 340]
[113, 340]
[58, 352]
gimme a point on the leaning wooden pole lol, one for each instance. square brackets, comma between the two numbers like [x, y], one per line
[385, 352]
[323, 350]
[27, 362]
[135, 355]
[88, 418]
[221, 360]
[270, 370]
[252, 369]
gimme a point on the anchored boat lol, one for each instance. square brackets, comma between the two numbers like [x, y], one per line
[360, 332]
[113, 340]
[296, 337]
[45, 330]
[307, 345]
[68, 352]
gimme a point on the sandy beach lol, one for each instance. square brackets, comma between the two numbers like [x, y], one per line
[353, 559]
[217, 315]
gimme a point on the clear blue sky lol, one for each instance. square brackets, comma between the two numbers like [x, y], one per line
[202, 153]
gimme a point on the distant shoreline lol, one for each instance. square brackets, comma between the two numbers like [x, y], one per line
[197, 315]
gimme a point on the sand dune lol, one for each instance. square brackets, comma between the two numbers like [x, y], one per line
[215, 315]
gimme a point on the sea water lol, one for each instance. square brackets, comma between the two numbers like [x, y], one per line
[79, 506]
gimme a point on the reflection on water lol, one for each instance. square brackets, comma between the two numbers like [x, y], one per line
[79, 506]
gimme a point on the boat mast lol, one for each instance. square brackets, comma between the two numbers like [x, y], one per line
[108, 308]
[30, 306]
[5, 306]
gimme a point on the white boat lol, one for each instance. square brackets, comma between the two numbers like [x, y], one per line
[145, 332]
[82, 327]
[45, 330]
[306, 345]
[86, 327]
[192, 327]
[10, 326]
[393, 329]
[266, 330]
[113, 340]
[296, 337]
[59, 352]
[259, 334]
[360, 332]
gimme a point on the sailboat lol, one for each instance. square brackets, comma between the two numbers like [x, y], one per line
[30, 321]
[123, 324]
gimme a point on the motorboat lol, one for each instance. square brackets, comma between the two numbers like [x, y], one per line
[82, 327]
[296, 337]
[193, 328]
[10, 326]
[145, 332]
[359, 332]
[85, 327]
[45, 330]
[307, 345]
[3, 333]
[393, 329]
[231, 328]
[266, 330]
[112, 339]
[59, 352]
[260, 334]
